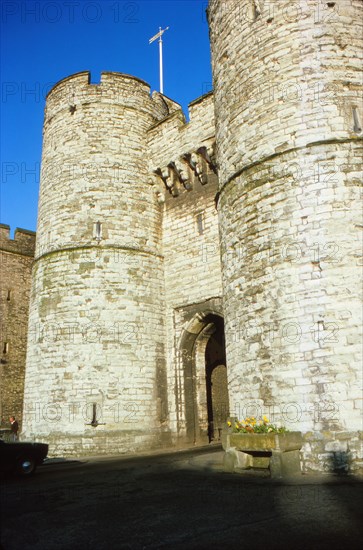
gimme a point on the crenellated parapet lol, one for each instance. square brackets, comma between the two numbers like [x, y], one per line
[75, 91]
[23, 242]
[182, 154]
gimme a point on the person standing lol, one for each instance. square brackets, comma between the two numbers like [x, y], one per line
[14, 426]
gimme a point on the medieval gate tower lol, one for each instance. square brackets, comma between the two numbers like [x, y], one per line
[98, 249]
[288, 98]
[136, 268]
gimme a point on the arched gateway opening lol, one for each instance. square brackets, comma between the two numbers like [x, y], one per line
[205, 378]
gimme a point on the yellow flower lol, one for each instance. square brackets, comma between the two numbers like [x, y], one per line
[229, 423]
[265, 419]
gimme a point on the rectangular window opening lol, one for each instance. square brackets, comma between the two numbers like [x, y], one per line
[200, 223]
[8, 297]
[6, 348]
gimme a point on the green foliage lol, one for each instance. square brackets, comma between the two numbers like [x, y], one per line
[252, 425]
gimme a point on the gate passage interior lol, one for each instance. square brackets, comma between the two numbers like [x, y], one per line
[205, 378]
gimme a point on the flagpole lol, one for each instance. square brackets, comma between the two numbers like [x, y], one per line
[161, 68]
[161, 62]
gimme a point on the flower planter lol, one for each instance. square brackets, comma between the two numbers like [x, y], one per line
[279, 452]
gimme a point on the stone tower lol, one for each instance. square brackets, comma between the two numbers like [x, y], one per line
[288, 100]
[95, 374]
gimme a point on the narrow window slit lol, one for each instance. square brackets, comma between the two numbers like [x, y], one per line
[94, 421]
[200, 223]
[357, 126]
[97, 228]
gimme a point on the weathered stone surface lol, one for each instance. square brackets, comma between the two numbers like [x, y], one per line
[135, 267]
[278, 452]
[332, 451]
[235, 460]
[289, 153]
[127, 235]
[285, 464]
[16, 260]
[263, 442]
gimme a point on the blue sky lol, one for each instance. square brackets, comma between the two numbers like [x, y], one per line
[45, 41]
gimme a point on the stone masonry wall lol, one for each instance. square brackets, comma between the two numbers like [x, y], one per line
[103, 344]
[16, 259]
[142, 248]
[190, 229]
[95, 361]
[288, 97]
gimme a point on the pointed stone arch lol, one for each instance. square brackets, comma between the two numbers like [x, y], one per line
[202, 350]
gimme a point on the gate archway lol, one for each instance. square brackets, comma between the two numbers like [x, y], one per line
[203, 355]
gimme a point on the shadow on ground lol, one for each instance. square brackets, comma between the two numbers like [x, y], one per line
[178, 501]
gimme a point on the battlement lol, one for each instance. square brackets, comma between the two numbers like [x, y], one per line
[83, 78]
[23, 242]
[199, 110]
[201, 101]
[182, 152]
[126, 90]
[76, 92]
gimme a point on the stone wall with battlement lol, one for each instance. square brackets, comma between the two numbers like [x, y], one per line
[153, 228]
[90, 146]
[16, 260]
[183, 172]
[95, 356]
[23, 242]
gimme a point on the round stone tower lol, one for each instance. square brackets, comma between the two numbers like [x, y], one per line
[288, 85]
[95, 376]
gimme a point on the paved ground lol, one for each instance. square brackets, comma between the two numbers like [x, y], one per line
[179, 501]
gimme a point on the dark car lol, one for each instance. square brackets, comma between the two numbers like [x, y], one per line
[22, 457]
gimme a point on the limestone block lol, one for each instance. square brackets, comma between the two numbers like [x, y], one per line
[234, 460]
[285, 464]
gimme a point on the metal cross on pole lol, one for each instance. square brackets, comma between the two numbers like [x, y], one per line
[159, 36]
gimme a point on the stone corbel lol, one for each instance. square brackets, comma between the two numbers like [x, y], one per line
[165, 177]
[158, 188]
[207, 155]
[181, 174]
[201, 168]
[192, 160]
[175, 178]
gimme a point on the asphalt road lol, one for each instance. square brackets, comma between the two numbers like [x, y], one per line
[179, 501]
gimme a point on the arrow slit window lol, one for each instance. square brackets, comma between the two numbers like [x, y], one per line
[97, 231]
[200, 223]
